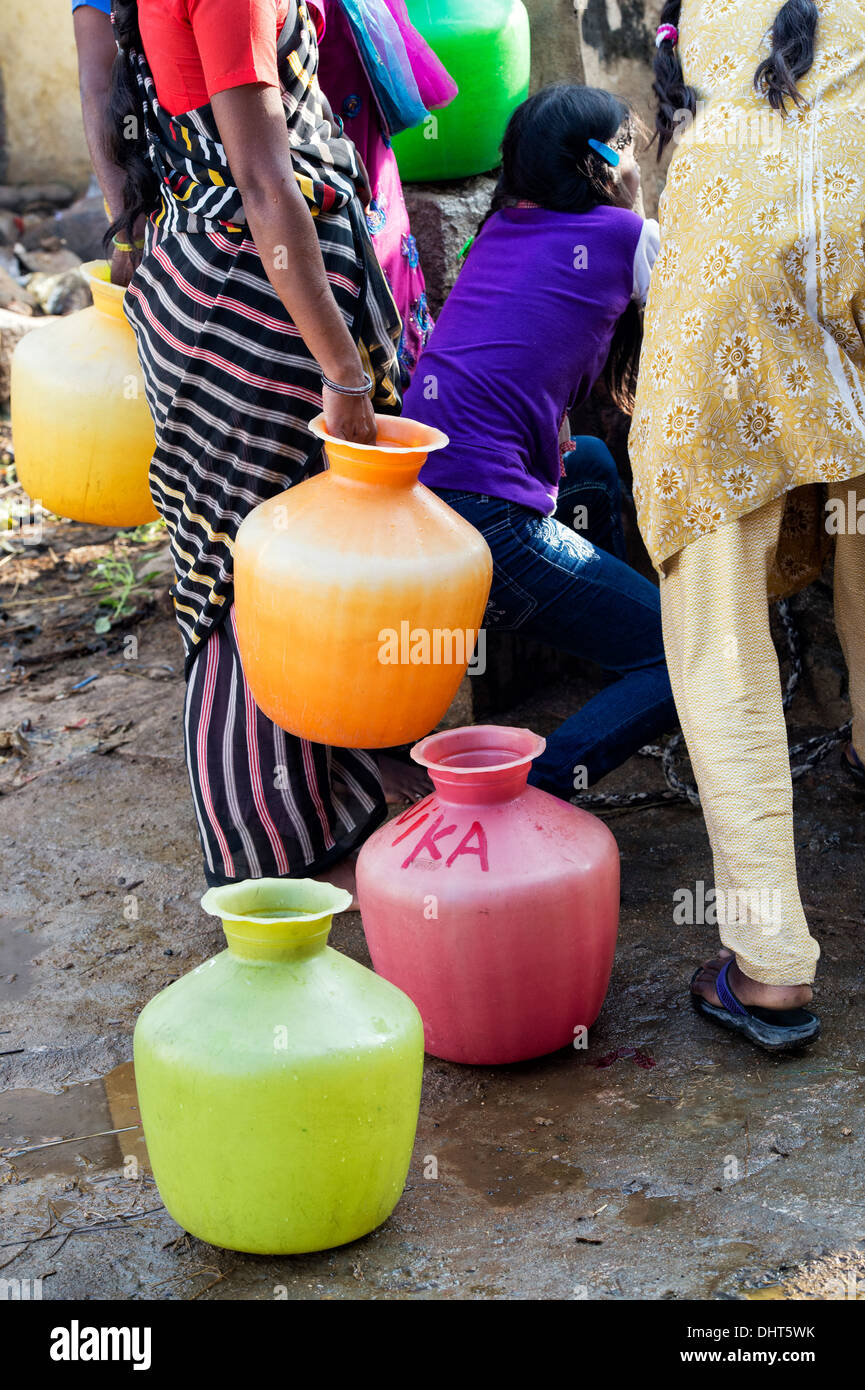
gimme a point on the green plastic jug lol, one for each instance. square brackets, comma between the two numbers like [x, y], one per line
[486, 47]
[279, 1082]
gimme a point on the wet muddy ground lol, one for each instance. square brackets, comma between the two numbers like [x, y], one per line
[666, 1161]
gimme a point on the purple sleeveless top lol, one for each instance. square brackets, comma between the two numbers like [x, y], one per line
[523, 336]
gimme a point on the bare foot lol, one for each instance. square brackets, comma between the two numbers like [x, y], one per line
[749, 992]
[402, 781]
[342, 875]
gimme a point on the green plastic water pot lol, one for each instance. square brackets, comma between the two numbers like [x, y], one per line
[486, 47]
[279, 1082]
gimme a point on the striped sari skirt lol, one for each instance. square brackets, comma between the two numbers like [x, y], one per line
[267, 804]
[231, 387]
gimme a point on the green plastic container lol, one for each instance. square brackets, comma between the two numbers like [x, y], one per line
[279, 1082]
[486, 47]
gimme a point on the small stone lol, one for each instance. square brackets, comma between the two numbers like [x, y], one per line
[20, 197]
[62, 293]
[14, 296]
[10, 262]
[10, 228]
[51, 257]
[80, 227]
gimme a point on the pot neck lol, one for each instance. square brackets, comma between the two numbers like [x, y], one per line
[268, 920]
[394, 461]
[399, 472]
[481, 764]
[107, 298]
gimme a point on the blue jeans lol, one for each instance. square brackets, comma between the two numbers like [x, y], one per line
[574, 590]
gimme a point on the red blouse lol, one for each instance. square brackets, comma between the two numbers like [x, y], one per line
[198, 47]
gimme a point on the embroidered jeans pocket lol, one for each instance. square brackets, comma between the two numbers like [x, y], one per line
[509, 604]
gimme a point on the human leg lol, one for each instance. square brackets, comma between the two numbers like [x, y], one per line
[850, 599]
[551, 584]
[724, 672]
[267, 804]
[590, 495]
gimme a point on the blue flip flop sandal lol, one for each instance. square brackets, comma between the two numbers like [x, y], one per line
[854, 767]
[776, 1030]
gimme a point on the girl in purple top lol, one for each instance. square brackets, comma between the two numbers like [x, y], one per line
[549, 299]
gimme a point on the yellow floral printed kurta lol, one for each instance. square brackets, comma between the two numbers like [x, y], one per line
[752, 375]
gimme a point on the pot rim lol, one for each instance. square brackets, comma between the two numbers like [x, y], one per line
[432, 438]
[333, 900]
[533, 743]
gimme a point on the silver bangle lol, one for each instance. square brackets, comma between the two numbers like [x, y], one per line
[348, 390]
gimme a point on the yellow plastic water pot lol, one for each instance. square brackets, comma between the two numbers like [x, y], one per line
[81, 427]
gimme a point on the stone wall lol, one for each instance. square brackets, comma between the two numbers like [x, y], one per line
[617, 39]
[608, 42]
[42, 136]
[4, 155]
[556, 48]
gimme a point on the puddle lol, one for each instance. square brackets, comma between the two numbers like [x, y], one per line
[18, 946]
[640, 1210]
[505, 1178]
[29, 1118]
[831, 1277]
[505, 1175]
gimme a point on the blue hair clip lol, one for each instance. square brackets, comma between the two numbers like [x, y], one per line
[611, 156]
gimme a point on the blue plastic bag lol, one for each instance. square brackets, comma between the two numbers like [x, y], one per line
[385, 59]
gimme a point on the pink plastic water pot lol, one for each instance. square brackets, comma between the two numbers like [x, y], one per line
[492, 904]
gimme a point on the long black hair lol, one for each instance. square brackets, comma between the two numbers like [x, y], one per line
[125, 132]
[792, 35]
[546, 159]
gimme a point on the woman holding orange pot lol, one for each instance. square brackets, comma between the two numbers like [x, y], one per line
[257, 302]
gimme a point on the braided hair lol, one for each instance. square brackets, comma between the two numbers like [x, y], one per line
[793, 34]
[125, 126]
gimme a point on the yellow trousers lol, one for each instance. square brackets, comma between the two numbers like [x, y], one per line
[726, 683]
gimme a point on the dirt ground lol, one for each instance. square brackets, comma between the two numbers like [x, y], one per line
[668, 1161]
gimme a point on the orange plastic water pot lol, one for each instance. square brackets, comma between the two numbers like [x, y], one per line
[81, 426]
[359, 594]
